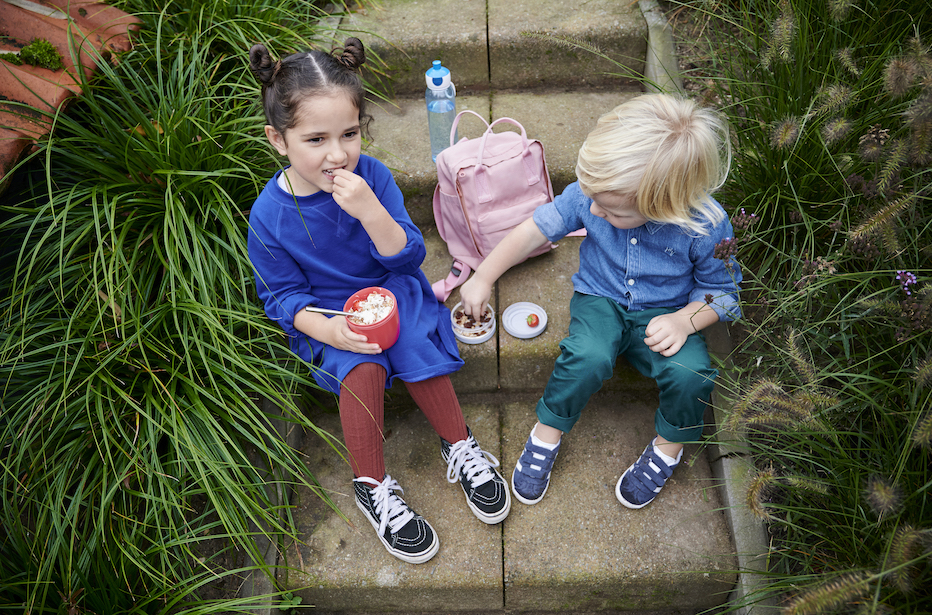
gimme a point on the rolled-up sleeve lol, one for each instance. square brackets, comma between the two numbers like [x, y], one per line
[408, 260]
[561, 217]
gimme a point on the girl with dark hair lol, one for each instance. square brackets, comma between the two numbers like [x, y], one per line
[329, 224]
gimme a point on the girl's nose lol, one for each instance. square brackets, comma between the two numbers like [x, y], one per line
[595, 210]
[336, 153]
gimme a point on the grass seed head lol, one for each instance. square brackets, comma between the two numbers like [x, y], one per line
[833, 99]
[784, 31]
[920, 145]
[882, 496]
[906, 546]
[920, 111]
[802, 365]
[785, 133]
[922, 435]
[900, 75]
[782, 35]
[758, 491]
[838, 9]
[924, 372]
[846, 58]
[801, 482]
[829, 596]
[836, 130]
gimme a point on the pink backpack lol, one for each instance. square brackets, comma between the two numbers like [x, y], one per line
[485, 188]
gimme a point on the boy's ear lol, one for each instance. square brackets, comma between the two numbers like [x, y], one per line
[276, 139]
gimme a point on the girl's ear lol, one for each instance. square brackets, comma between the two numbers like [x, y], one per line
[276, 139]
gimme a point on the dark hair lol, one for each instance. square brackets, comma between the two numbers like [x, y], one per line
[289, 81]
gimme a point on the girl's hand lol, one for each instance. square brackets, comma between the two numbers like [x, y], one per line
[340, 336]
[353, 194]
[667, 333]
[475, 294]
[355, 197]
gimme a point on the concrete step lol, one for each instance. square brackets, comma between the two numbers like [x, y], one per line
[576, 551]
[485, 43]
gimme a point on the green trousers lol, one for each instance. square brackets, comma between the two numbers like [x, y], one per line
[601, 330]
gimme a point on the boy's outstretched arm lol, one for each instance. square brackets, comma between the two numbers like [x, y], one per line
[514, 248]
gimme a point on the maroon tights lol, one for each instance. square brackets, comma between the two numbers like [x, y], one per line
[362, 416]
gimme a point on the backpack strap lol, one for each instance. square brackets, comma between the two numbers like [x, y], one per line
[459, 272]
[456, 122]
[531, 171]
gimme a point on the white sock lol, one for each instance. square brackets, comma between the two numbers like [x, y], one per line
[538, 442]
[670, 461]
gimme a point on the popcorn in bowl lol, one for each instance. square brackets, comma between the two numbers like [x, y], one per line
[372, 309]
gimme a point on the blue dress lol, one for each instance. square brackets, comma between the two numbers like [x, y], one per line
[308, 251]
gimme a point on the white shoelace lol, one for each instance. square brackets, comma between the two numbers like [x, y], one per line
[466, 455]
[390, 508]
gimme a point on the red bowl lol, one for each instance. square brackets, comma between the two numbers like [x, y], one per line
[382, 332]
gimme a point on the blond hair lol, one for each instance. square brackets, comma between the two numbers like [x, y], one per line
[668, 151]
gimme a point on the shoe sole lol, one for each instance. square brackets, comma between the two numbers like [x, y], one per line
[419, 558]
[522, 499]
[622, 499]
[485, 518]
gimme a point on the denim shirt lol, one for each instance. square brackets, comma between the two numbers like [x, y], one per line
[654, 265]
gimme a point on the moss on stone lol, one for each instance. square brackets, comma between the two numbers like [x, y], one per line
[42, 53]
[12, 58]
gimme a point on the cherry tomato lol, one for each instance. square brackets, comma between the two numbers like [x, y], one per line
[533, 320]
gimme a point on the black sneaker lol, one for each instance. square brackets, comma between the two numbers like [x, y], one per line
[405, 534]
[485, 489]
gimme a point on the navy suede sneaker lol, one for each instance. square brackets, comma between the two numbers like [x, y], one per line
[531, 476]
[641, 483]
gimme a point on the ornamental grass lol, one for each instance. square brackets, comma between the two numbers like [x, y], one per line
[146, 398]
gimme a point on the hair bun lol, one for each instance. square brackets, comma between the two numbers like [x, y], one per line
[352, 55]
[261, 63]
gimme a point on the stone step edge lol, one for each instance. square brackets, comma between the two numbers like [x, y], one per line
[492, 48]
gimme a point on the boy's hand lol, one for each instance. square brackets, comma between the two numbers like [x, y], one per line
[667, 333]
[353, 194]
[475, 295]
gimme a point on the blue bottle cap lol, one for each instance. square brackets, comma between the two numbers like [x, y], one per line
[437, 76]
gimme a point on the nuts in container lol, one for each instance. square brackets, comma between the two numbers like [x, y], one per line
[469, 330]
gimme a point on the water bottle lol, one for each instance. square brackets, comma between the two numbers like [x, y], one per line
[441, 107]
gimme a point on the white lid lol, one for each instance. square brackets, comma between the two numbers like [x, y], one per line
[514, 320]
[437, 76]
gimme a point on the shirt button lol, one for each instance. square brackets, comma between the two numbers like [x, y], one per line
[631, 282]
[634, 241]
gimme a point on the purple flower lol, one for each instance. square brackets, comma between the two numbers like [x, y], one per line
[725, 250]
[743, 220]
[906, 279]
